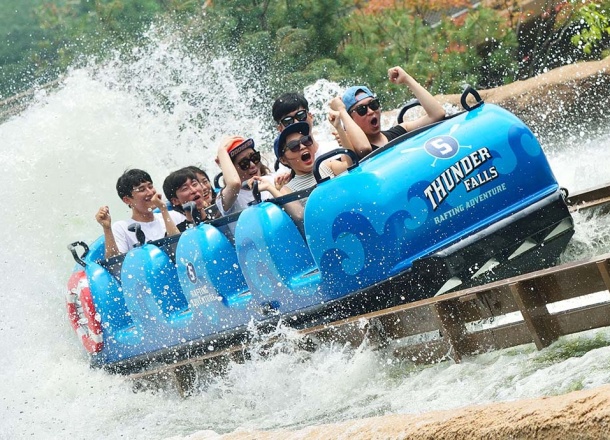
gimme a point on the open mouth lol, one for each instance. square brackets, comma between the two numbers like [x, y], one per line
[375, 121]
[306, 156]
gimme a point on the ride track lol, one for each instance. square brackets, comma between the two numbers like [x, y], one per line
[531, 308]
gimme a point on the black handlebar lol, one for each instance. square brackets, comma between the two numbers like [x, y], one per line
[408, 106]
[256, 192]
[79, 258]
[191, 207]
[135, 227]
[323, 157]
[469, 90]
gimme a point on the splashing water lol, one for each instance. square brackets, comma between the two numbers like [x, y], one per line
[159, 111]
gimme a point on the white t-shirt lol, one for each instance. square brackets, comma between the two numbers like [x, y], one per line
[305, 181]
[244, 198]
[154, 230]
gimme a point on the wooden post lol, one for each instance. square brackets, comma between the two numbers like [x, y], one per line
[185, 377]
[604, 272]
[451, 326]
[532, 305]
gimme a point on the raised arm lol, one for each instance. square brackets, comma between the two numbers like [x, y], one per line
[229, 193]
[170, 226]
[350, 133]
[434, 110]
[103, 218]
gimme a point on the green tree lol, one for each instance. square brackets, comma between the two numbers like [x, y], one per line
[595, 26]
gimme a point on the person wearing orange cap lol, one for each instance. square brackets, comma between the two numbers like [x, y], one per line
[240, 164]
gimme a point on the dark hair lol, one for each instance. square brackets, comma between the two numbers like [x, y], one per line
[265, 171]
[174, 181]
[196, 170]
[276, 166]
[287, 103]
[129, 180]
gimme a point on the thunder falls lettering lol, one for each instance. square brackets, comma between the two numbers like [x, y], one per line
[460, 171]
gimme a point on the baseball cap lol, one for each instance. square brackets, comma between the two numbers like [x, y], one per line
[280, 141]
[349, 97]
[238, 145]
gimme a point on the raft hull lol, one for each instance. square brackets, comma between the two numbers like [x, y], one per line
[449, 207]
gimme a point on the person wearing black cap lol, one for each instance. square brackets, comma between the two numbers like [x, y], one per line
[364, 107]
[296, 149]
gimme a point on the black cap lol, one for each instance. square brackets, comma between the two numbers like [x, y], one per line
[280, 141]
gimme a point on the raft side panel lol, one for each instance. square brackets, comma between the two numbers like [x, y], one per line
[422, 195]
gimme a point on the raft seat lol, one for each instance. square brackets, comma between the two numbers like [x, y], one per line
[208, 267]
[151, 288]
[274, 257]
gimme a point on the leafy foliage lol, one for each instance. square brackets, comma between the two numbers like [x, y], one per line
[290, 44]
[596, 26]
[477, 48]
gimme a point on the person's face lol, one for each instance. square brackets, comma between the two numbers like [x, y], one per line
[298, 155]
[298, 115]
[141, 197]
[370, 122]
[252, 159]
[191, 191]
[207, 187]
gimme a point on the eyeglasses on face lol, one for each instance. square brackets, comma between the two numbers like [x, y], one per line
[295, 145]
[255, 158]
[143, 188]
[362, 109]
[300, 116]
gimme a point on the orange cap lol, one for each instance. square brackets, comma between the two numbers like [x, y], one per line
[238, 145]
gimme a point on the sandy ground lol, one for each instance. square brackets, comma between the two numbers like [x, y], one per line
[578, 415]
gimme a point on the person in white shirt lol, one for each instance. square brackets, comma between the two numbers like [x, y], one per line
[135, 188]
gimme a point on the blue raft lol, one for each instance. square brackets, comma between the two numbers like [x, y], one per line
[460, 203]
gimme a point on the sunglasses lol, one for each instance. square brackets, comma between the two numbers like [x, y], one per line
[255, 158]
[362, 109]
[300, 116]
[295, 145]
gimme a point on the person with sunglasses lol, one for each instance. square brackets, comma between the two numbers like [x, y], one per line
[240, 164]
[289, 108]
[365, 109]
[296, 149]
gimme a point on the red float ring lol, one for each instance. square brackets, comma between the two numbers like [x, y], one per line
[81, 312]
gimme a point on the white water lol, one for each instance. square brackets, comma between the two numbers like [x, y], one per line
[59, 162]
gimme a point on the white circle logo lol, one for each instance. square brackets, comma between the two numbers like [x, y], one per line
[443, 147]
[190, 272]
